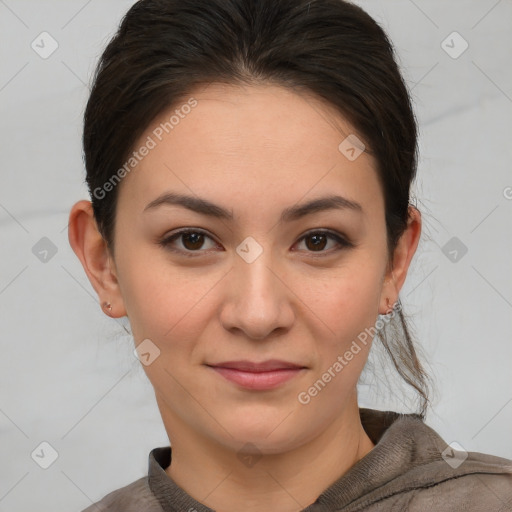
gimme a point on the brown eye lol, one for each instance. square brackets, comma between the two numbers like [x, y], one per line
[317, 241]
[192, 241]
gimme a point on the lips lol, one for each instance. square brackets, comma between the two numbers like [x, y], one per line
[258, 375]
[265, 366]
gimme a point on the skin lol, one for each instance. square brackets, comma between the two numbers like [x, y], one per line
[254, 150]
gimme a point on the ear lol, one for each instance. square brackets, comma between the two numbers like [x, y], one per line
[402, 256]
[92, 251]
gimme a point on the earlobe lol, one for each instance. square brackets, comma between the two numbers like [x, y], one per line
[92, 251]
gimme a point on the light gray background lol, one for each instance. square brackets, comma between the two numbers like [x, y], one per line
[68, 375]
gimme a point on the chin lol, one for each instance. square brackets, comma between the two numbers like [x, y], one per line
[266, 433]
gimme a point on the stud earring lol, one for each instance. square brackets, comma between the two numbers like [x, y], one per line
[108, 306]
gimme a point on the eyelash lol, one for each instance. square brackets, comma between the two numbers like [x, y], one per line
[342, 242]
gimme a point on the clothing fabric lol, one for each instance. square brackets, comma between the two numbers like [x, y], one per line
[411, 468]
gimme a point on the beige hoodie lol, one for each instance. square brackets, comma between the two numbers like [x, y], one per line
[410, 469]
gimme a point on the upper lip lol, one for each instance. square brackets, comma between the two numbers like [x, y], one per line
[264, 366]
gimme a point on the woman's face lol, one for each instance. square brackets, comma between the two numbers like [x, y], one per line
[257, 280]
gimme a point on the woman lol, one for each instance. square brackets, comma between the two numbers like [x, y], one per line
[249, 164]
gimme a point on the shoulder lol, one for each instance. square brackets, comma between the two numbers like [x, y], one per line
[414, 469]
[482, 483]
[135, 497]
[472, 492]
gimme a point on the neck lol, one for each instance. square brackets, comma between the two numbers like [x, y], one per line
[214, 476]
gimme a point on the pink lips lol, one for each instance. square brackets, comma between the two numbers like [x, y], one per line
[258, 376]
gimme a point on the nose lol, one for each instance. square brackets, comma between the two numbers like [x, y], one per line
[258, 300]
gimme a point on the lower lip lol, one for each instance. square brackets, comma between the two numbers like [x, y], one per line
[258, 380]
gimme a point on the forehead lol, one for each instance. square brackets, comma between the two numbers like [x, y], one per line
[252, 145]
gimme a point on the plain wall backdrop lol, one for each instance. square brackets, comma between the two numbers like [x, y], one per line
[68, 375]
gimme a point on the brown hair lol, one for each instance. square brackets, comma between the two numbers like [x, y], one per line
[331, 48]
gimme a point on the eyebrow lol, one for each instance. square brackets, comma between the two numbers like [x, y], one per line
[205, 207]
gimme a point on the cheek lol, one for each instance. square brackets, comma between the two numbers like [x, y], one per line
[344, 302]
[347, 306]
[163, 302]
